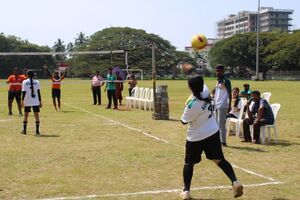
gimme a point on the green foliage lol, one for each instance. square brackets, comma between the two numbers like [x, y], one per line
[277, 50]
[134, 41]
[15, 44]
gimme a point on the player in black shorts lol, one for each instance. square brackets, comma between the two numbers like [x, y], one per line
[31, 98]
[203, 135]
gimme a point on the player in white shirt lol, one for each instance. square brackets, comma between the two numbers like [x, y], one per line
[31, 98]
[203, 135]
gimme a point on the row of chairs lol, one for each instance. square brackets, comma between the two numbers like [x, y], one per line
[239, 121]
[141, 98]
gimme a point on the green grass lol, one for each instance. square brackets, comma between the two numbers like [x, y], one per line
[81, 152]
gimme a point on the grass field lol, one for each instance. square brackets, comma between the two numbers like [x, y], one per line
[86, 151]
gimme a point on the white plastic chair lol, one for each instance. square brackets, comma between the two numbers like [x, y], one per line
[136, 100]
[275, 108]
[129, 100]
[142, 98]
[266, 96]
[238, 121]
[149, 101]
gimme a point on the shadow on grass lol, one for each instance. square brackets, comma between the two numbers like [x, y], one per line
[280, 199]
[175, 120]
[281, 143]
[67, 111]
[247, 149]
[46, 136]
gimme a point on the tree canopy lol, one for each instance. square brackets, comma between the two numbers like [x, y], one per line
[278, 50]
[15, 44]
[137, 43]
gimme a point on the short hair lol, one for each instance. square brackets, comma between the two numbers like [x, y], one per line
[246, 84]
[256, 92]
[219, 66]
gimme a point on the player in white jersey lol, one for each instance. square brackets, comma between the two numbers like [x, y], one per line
[203, 135]
[31, 98]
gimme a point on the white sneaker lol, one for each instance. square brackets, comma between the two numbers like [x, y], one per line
[185, 194]
[237, 189]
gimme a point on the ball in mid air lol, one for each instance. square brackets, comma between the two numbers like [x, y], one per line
[199, 41]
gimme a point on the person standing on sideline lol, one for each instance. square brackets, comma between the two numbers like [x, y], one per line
[56, 82]
[97, 82]
[203, 135]
[14, 91]
[110, 87]
[31, 98]
[132, 83]
[119, 88]
[222, 101]
[264, 115]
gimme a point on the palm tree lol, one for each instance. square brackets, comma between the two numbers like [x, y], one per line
[59, 47]
[70, 46]
[81, 40]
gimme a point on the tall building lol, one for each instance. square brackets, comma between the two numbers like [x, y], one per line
[246, 21]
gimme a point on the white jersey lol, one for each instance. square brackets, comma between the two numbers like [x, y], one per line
[29, 100]
[202, 122]
[221, 96]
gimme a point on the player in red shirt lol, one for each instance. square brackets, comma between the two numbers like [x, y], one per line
[14, 91]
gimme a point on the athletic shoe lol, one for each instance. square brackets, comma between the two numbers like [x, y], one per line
[37, 132]
[237, 189]
[23, 132]
[185, 195]
[107, 107]
[224, 144]
[10, 113]
[20, 114]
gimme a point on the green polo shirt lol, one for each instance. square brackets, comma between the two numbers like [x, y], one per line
[111, 85]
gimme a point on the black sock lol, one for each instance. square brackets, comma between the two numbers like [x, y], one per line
[227, 169]
[187, 176]
[24, 126]
[37, 126]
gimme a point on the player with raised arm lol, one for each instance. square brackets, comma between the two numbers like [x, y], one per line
[203, 135]
[56, 82]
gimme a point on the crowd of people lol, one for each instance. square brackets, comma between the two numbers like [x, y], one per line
[25, 89]
[227, 102]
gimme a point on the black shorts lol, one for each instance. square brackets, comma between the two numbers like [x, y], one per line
[55, 93]
[211, 146]
[34, 108]
[14, 94]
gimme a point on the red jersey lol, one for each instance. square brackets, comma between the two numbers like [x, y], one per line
[15, 82]
[56, 82]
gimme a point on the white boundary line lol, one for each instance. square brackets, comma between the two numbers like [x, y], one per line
[272, 181]
[153, 192]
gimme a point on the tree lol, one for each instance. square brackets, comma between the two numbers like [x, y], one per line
[137, 43]
[283, 54]
[14, 44]
[239, 51]
[81, 40]
[59, 47]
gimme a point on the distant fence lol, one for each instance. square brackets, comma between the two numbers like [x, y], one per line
[283, 75]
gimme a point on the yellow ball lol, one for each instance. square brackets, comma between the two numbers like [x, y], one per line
[199, 41]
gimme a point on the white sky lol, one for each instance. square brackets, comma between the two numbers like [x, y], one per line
[44, 21]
